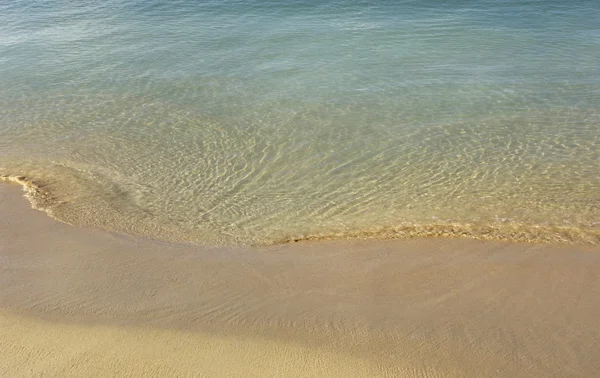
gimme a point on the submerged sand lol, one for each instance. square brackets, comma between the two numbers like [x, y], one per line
[84, 302]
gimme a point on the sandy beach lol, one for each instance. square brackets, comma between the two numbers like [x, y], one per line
[84, 302]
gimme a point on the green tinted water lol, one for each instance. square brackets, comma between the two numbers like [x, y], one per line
[250, 122]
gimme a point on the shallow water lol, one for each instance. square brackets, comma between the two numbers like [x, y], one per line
[252, 122]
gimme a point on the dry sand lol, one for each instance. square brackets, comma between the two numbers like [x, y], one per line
[79, 302]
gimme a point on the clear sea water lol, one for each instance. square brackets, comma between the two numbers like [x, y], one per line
[257, 122]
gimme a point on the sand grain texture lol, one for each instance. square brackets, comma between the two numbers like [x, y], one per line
[82, 302]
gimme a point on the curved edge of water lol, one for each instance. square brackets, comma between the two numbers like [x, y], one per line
[511, 232]
[39, 198]
[44, 200]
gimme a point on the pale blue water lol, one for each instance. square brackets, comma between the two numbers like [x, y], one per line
[261, 121]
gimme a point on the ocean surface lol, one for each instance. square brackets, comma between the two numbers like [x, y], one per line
[260, 122]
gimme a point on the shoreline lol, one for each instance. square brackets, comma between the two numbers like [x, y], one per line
[417, 307]
[43, 198]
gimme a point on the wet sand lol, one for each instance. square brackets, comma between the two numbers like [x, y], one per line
[84, 302]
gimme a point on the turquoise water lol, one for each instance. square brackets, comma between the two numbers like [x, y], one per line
[252, 122]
